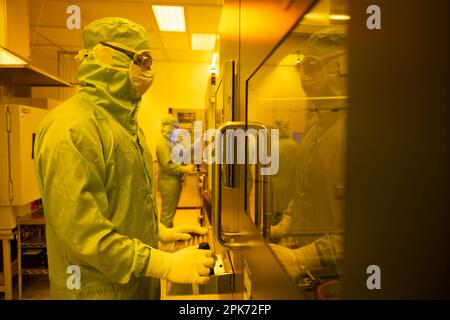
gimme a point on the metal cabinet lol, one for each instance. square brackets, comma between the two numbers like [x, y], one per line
[18, 183]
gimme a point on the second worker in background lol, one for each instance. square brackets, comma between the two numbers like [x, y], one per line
[170, 177]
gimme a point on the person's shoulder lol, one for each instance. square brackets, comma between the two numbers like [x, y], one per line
[74, 112]
[77, 107]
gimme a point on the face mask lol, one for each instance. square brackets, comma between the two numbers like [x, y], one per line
[167, 131]
[325, 80]
[141, 80]
[175, 135]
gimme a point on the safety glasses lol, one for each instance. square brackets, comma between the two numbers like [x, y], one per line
[142, 59]
[310, 66]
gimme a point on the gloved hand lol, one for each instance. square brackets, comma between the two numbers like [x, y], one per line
[189, 265]
[179, 233]
[287, 258]
[297, 261]
[281, 228]
[188, 169]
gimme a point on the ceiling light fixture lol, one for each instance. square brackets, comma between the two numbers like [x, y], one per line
[339, 17]
[214, 60]
[203, 41]
[339, 11]
[170, 18]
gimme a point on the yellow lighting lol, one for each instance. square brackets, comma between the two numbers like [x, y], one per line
[7, 58]
[313, 16]
[203, 41]
[340, 17]
[214, 60]
[170, 18]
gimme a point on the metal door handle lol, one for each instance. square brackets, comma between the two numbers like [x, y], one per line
[217, 184]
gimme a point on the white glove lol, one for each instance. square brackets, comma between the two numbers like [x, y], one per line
[189, 265]
[287, 258]
[179, 233]
[188, 169]
[281, 228]
[297, 261]
[307, 257]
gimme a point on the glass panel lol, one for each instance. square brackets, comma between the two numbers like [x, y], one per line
[301, 90]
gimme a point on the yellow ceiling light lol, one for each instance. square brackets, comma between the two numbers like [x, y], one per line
[213, 67]
[339, 10]
[339, 17]
[214, 59]
[203, 41]
[8, 58]
[170, 18]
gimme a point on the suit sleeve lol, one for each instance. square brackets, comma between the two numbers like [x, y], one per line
[163, 154]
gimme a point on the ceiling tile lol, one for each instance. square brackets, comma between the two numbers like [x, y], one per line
[159, 55]
[139, 12]
[48, 13]
[203, 41]
[203, 19]
[175, 40]
[61, 36]
[189, 56]
[155, 40]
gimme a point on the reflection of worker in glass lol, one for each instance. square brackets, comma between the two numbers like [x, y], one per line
[282, 183]
[313, 222]
[171, 174]
[96, 179]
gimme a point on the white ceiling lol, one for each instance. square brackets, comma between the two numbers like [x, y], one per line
[49, 34]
